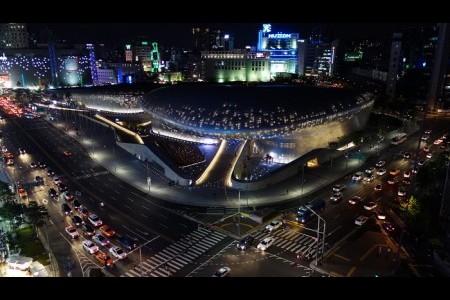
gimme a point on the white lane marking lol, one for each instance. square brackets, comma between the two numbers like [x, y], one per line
[130, 199]
[163, 225]
[145, 207]
[127, 206]
[209, 259]
[145, 216]
[163, 216]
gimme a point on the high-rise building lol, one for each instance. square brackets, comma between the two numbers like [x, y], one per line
[205, 39]
[316, 59]
[13, 35]
[394, 63]
[282, 49]
[439, 92]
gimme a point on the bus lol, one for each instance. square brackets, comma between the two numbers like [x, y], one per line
[398, 139]
[305, 214]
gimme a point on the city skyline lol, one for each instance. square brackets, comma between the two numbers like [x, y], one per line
[180, 34]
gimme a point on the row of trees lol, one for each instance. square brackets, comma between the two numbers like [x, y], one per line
[36, 214]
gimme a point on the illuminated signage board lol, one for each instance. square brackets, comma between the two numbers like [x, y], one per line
[128, 47]
[267, 27]
[144, 43]
[279, 36]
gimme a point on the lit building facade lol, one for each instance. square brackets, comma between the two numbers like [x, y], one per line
[13, 35]
[282, 49]
[32, 67]
[106, 76]
[238, 65]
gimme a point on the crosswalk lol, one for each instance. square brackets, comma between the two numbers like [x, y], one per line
[177, 255]
[292, 241]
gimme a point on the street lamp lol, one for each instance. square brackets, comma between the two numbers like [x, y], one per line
[319, 218]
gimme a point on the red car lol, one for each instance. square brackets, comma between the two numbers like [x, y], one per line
[67, 153]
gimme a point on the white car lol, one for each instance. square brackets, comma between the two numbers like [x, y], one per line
[401, 192]
[357, 176]
[101, 240]
[370, 170]
[274, 225]
[222, 272]
[429, 155]
[90, 246]
[369, 178]
[407, 174]
[361, 220]
[380, 164]
[73, 232]
[426, 149]
[95, 220]
[336, 197]
[117, 252]
[381, 215]
[438, 142]
[265, 243]
[338, 188]
[381, 172]
[370, 206]
[355, 199]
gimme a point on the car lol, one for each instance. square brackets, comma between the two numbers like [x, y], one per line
[394, 172]
[378, 188]
[10, 162]
[380, 163]
[95, 220]
[67, 153]
[354, 200]
[381, 172]
[406, 181]
[426, 149]
[68, 196]
[72, 232]
[407, 155]
[438, 142]
[9, 155]
[103, 258]
[52, 193]
[393, 180]
[127, 242]
[381, 215]
[77, 221]
[50, 171]
[89, 246]
[22, 151]
[429, 155]
[428, 131]
[357, 176]
[336, 197]
[370, 170]
[107, 231]
[117, 252]
[87, 230]
[338, 188]
[425, 137]
[62, 187]
[39, 180]
[83, 212]
[414, 170]
[407, 174]
[265, 243]
[421, 162]
[361, 220]
[76, 204]
[274, 225]
[245, 243]
[101, 240]
[56, 180]
[388, 226]
[33, 165]
[370, 206]
[42, 165]
[401, 191]
[222, 272]
[369, 177]
[66, 209]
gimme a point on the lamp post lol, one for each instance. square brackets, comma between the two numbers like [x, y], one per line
[149, 178]
[319, 219]
[303, 176]
[239, 212]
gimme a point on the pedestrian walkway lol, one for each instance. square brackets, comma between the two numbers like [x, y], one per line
[174, 257]
[292, 241]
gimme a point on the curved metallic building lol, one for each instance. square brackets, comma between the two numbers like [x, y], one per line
[285, 121]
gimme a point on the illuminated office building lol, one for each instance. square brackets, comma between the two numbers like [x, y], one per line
[282, 49]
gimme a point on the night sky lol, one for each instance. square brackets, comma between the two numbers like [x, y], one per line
[179, 34]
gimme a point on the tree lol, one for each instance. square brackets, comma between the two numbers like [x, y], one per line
[36, 213]
[333, 146]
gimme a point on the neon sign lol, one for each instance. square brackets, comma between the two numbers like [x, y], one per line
[279, 36]
[267, 27]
